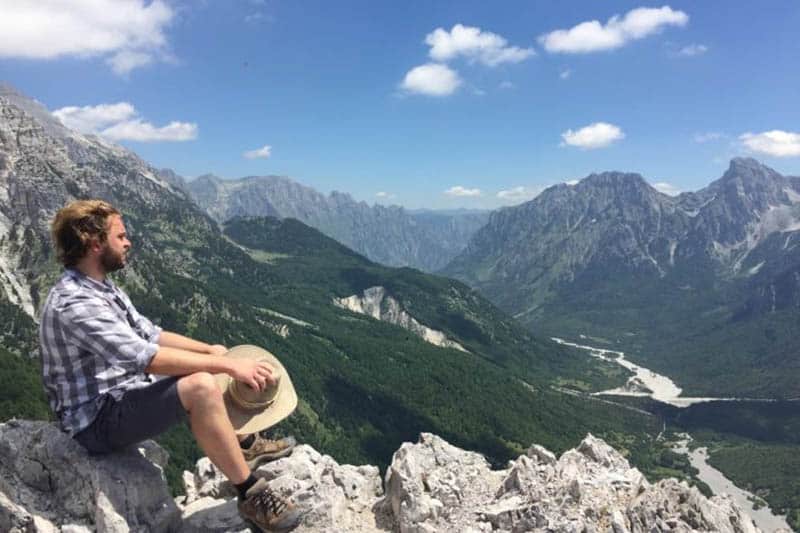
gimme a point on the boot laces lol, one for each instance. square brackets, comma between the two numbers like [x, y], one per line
[273, 504]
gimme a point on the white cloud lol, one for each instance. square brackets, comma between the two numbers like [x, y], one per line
[431, 79]
[119, 122]
[506, 85]
[92, 119]
[518, 194]
[475, 44]
[565, 74]
[129, 33]
[458, 190]
[592, 36]
[666, 188]
[709, 136]
[138, 130]
[777, 143]
[693, 50]
[597, 135]
[123, 62]
[383, 195]
[572, 183]
[260, 153]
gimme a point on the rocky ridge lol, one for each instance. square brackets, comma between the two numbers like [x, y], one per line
[49, 484]
[390, 235]
[617, 222]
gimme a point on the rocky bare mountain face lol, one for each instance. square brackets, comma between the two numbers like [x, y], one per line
[49, 484]
[43, 165]
[614, 258]
[387, 234]
[375, 302]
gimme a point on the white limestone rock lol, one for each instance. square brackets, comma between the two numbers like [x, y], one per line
[48, 484]
[47, 481]
[334, 497]
[433, 486]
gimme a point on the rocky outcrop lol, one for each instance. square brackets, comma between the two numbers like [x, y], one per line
[49, 484]
[379, 305]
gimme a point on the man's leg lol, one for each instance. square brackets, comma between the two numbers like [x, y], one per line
[140, 414]
[202, 398]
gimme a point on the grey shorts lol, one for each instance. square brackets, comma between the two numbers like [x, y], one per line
[139, 415]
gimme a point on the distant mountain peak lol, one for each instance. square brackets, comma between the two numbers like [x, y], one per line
[747, 167]
[34, 109]
[615, 179]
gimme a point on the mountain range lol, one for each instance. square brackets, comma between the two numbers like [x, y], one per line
[704, 286]
[390, 235]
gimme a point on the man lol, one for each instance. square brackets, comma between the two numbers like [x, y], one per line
[99, 358]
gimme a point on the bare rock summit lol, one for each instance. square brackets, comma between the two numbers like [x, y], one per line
[49, 484]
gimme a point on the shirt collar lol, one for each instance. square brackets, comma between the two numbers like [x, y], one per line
[106, 286]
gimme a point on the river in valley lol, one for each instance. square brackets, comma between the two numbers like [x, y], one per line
[645, 382]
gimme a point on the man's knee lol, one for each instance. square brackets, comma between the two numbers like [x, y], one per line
[200, 386]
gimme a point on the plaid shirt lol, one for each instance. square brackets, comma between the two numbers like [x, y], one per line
[93, 343]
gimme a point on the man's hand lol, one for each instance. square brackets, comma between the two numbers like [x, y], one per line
[256, 374]
[217, 349]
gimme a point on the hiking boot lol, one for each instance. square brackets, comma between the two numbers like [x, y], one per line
[263, 450]
[267, 510]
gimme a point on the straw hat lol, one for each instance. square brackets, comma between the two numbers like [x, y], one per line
[250, 410]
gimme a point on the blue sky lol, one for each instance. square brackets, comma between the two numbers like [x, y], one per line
[433, 104]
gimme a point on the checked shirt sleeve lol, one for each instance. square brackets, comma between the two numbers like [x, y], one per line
[95, 326]
[151, 331]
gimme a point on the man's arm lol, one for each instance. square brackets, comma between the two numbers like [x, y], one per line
[169, 339]
[96, 328]
[170, 361]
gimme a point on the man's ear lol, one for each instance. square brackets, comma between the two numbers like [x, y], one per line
[95, 245]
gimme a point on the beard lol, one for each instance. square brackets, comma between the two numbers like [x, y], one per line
[111, 260]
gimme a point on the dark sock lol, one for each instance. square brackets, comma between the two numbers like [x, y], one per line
[245, 485]
[246, 443]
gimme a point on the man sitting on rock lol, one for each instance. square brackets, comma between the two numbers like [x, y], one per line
[114, 379]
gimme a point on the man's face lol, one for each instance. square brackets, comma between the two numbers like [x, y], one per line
[114, 254]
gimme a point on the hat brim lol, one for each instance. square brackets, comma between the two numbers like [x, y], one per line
[247, 421]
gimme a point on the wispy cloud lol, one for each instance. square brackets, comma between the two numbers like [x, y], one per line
[708, 136]
[776, 143]
[383, 195]
[128, 33]
[139, 130]
[259, 153]
[592, 36]
[565, 74]
[693, 50]
[666, 188]
[474, 44]
[506, 85]
[254, 17]
[432, 79]
[516, 195]
[120, 122]
[460, 191]
[596, 135]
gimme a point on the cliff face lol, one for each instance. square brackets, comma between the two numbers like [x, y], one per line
[49, 484]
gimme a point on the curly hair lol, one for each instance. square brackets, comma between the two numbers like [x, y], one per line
[76, 224]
